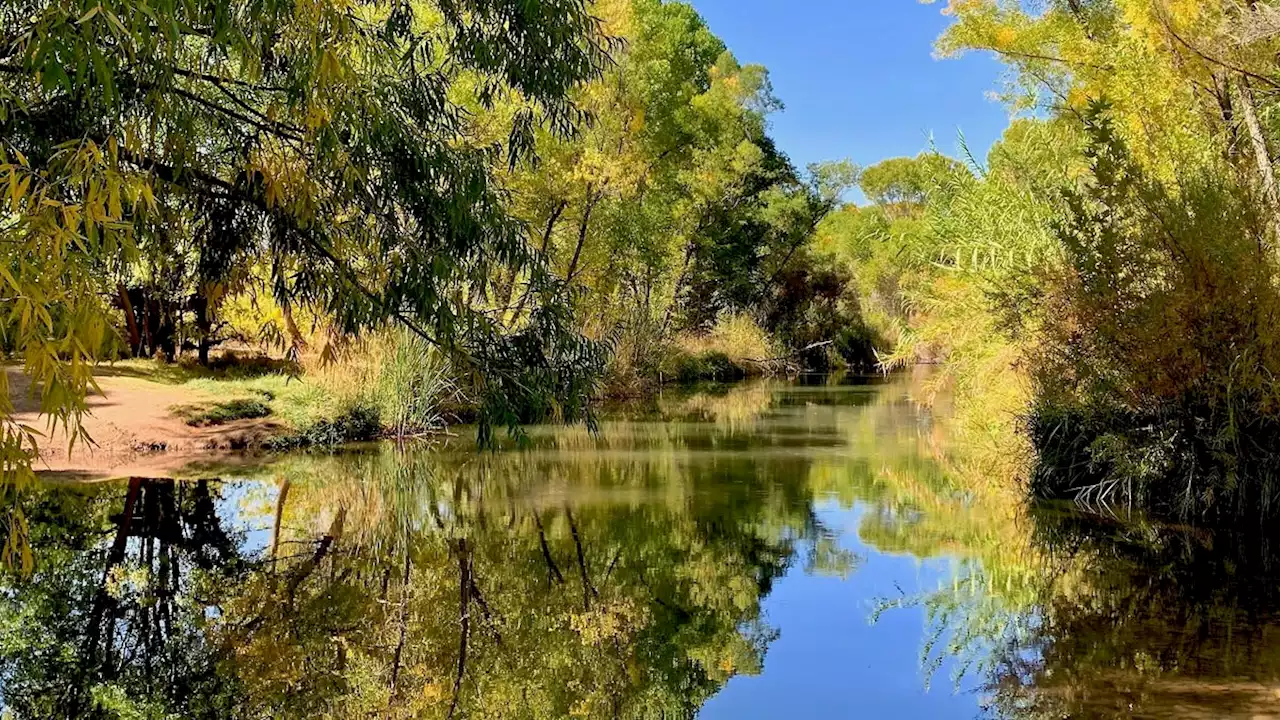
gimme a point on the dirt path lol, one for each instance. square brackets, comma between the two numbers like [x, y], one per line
[132, 427]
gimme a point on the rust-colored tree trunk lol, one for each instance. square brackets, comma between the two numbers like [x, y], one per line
[135, 336]
[296, 340]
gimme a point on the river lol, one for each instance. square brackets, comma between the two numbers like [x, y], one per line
[766, 550]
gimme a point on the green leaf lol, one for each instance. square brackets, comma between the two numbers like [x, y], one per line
[89, 15]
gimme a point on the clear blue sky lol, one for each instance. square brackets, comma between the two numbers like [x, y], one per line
[858, 77]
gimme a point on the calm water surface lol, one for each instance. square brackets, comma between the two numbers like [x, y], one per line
[760, 551]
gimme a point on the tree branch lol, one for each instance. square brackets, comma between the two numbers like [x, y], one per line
[1164, 20]
[172, 175]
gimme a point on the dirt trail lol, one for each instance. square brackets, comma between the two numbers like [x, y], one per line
[132, 428]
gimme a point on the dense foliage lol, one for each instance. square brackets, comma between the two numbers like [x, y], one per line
[1106, 279]
[534, 188]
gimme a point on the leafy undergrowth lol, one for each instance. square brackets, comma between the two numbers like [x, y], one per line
[358, 424]
[734, 348]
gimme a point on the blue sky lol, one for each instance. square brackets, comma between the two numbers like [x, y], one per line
[858, 77]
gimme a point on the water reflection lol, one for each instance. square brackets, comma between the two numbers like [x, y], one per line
[1143, 620]
[625, 574]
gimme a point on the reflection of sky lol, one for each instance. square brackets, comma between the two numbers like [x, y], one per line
[831, 661]
[255, 532]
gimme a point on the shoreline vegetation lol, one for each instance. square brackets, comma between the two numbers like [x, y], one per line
[390, 386]
[504, 210]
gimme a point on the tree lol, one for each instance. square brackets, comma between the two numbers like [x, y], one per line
[323, 141]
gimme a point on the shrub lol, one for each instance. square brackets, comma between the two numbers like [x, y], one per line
[1155, 363]
[734, 348]
[686, 367]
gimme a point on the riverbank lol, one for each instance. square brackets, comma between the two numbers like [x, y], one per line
[153, 418]
[148, 414]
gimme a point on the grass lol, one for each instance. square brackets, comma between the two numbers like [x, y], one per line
[221, 413]
[390, 384]
[734, 348]
[296, 401]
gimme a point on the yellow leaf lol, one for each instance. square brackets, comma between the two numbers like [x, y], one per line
[89, 15]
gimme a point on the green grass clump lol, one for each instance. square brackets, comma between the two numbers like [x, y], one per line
[358, 424]
[709, 365]
[412, 382]
[223, 412]
[390, 384]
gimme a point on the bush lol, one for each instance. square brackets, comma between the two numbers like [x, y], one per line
[685, 367]
[816, 311]
[856, 346]
[735, 347]
[1154, 372]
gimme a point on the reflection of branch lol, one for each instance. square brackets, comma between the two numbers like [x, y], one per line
[607, 573]
[681, 612]
[326, 544]
[464, 619]
[552, 569]
[404, 609]
[587, 590]
[104, 600]
[281, 497]
[484, 608]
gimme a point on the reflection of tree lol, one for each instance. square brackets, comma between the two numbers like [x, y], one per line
[106, 622]
[406, 585]
[1160, 622]
[1058, 614]
[518, 603]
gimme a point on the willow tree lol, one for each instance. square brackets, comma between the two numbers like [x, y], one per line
[319, 138]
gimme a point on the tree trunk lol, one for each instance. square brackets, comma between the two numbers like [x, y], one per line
[203, 307]
[542, 253]
[296, 341]
[1222, 93]
[1261, 153]
[675, 296]
[135, 336]
[583, 225]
